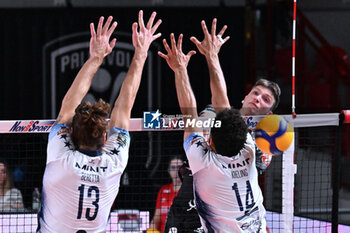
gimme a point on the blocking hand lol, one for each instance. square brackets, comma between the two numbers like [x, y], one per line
[99, 42]
[143, 38]
[175, 57]
[211, 43]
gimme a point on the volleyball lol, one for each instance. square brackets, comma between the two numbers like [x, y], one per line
[273, 134]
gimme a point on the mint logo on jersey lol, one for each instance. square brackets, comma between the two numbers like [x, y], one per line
[152, 120]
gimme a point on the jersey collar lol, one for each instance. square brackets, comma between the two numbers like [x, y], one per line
[91, 153]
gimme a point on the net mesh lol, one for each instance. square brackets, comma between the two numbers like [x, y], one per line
[26, 156]
[314, 152]
[313, 183]
[147, 172]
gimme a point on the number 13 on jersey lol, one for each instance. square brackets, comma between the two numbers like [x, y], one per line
[92, 191]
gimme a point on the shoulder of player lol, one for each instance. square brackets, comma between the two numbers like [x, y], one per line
[250, 138]
[118, 131]
[118, 135]
[60, 131]
[250, 143]
[190, 140]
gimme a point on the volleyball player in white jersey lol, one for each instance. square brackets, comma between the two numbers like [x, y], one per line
[227, 194]
[84, 167]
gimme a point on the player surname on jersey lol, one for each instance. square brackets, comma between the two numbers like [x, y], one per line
[90, 177]
[240, 173]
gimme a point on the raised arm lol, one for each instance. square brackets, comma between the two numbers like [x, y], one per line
[178, 62]
[99, 48]
[141, 40]
[210, 48]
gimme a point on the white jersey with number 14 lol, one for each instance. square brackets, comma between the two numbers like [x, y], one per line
[227, 195]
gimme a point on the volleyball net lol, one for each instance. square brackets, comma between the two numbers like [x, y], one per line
[300, 188]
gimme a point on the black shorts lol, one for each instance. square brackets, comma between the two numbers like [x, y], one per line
[182, 216]
[183, 219]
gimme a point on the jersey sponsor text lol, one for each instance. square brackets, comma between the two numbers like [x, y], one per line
[90, 168]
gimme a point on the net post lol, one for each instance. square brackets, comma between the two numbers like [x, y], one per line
[336, 170]
[289, 169]
[288, 173]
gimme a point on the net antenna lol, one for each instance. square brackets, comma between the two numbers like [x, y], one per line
[293, 58]
[288, 162]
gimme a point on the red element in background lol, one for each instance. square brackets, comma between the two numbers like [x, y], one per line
[346, 116]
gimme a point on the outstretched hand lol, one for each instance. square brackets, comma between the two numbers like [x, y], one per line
[143, 38]
[211, 43]
[175, 57]
[99, 42]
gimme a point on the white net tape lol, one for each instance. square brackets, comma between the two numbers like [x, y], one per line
[137, 124]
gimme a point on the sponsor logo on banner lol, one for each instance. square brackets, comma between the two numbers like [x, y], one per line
[64, 56]
[31, 126]
[251, 121]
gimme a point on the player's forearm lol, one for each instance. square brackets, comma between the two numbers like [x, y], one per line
[217, 83]
[132, 80]
[81, 84]
[186, 98]
[155, 224]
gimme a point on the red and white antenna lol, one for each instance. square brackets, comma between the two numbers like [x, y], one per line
[293, 59]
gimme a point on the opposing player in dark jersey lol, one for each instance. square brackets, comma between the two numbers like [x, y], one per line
[83, 166]
[183, 215]
[166, 194]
